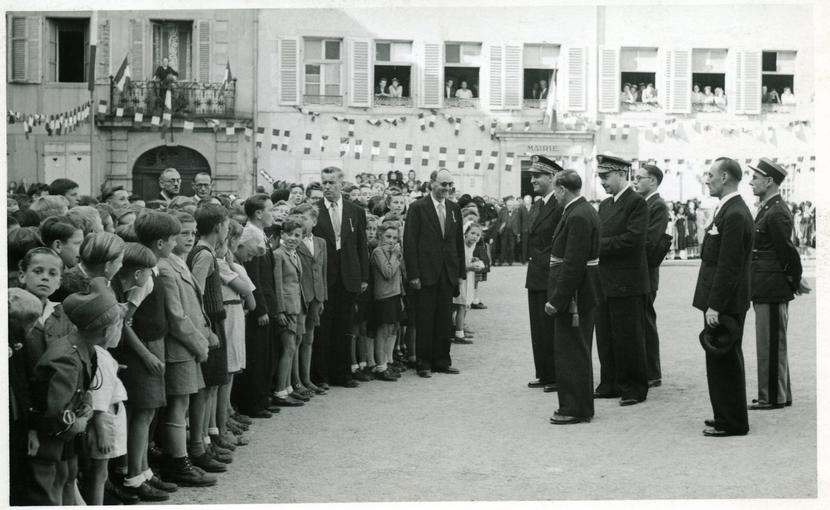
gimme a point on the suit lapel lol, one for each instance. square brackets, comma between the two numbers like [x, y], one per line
[543, 212]
[433, 214]
[565, 215]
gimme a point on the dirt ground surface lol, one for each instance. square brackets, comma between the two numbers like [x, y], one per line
[484, 435]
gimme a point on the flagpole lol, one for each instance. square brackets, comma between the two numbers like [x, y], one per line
[93, 42]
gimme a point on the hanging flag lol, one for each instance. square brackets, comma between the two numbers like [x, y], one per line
[274, 146]
[93, 44]
[188, 125]
[248, 134]
[457, 125]
[494, 156]
[102, 106]
[407, 154]
[286, 139]
[442, 157]
[168, 99]
[392, 121]
[477, 160]
[307, 144]
[228, 77]
[229, 129]
[393, 148]
[509, 126]
[493, 130]
[122, 77]
[358, 148]
[403, 119]
[374, 122]
[625, 132]
[323, 138]
[527, 125]
[155, 120]
[139, 116]
[351, 128]
[432, 118]
[549, 117]
[425, 155]
[613, 131]
[344, 146]
[375, 149]
[260, 135]
[422, 122]
[119, 112]
[508, 164]
[462, 157]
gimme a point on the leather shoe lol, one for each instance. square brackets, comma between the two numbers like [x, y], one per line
[550, 388]
[286, 401]
[263, 414]
[654, 383]
[630, 401]
[448, 370]
[296, 395]
[424, 373]
[720, 433]
[361, 376]
[536, 383]
[478, 306]
[709, 423]
[606, 395]
[561, 419]
[763, 406]
[462, 341]
[788, 403]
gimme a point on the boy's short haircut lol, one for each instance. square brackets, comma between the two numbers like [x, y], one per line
[20, 241]
[137, 256]
[50, 205]
[184, 217]
[234, 228]
[62, 186]
[291, 224]
[371, 218]
[100, 248]
[281, 203]
[280, 195]
[84, 216]
[313, 186]
[306, 208]
[127, 233]
[391, 225]
[150, 226]
[255, 203]
[57, 228]
[208, 216]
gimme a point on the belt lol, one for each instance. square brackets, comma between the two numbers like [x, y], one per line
[764, 255]
[556, 261]
[232, 302]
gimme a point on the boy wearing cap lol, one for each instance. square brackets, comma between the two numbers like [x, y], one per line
[776, 279]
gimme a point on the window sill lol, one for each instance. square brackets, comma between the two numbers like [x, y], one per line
[777, 108]
[67, 86]
[322, 100]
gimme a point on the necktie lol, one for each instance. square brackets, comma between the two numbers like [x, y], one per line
[335, 219]
[442, 217]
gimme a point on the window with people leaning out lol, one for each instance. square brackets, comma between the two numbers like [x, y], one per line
[708, 92]
[461, 74]
[777, 74]
[638, 91]
[537, 85]
[393, 73]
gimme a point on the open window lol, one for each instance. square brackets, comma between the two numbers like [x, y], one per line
[173, 40]
[322, 59]
[709, 80]
[68, 49]
[462, 65]
[539, 62]
[777, 80]
[393, 73]
[638, 72]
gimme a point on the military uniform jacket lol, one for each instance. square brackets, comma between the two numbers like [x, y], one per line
[623, 267]
[725, 256]
[776, 265]
[545, 219]
[575, 242]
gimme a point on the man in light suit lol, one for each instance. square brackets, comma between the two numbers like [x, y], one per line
[646, 180]
[624, 274]
[433, 247]
[723, 290]
[343, 226]
[546, 214]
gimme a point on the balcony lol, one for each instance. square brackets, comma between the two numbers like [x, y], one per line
[708, 107]
[777, 108]
[535, 103]
[189, 99]
[639, 107]
[322, 100]
[457, 102]
[393, 101]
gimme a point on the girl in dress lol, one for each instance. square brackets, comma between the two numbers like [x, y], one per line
[680, 228]
[472, 233]
[387, 287]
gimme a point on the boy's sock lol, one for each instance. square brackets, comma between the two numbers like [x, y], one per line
[213, 431]
[136, 481]
[355, 367]
[459, 334]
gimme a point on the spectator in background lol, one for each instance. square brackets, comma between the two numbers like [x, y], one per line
[787, 97]
[449, 89]
[628, 96]
[296, 194]
[38, 189]
[719, 99]
[381, 90]
[681, 230]
[708, 97]
[464, 92]
[117, 197]
[66, 187]
[202, 186]
[650, 94]
[170, 182]
[395, 89]
[543, 89]
[697, 96]
[314, 192]
[50, 205]
[534, 91]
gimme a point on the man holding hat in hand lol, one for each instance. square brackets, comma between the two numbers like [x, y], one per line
[776, 278]
[623, 271]
[546, 214]
[723, 290]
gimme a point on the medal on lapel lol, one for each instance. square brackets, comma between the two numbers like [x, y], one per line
[713, 231]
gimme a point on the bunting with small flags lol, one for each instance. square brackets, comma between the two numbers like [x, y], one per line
[407, 154]
[442, 157]
[425, 155]
[307, 144]
[477, 160]
[494, 156]
[393, 149]
[260, 136]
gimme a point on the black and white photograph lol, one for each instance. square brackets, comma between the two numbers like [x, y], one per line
[443, 253]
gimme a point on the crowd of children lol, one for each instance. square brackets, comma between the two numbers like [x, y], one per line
[144, 343]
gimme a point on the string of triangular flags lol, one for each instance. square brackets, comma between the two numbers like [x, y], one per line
[675, 127]
[54, 124]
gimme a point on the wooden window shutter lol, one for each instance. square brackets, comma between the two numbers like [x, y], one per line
[513, 77]
[102, 55]
[432, 68]
[496, 87]
[34, 49]
[608, 89]
[289, 65]
[677, 94]
[137, 50]
[748, 83]
[574, 90]
[360, 72]
[86, 52]
[18, 33]
[52, 52]
[203, 47]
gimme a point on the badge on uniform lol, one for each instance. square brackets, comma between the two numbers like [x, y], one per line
[713, 231]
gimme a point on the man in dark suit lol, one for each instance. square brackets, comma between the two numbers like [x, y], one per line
[573, 295]
[723, 290]
[170, 182]
[546, 213]
[433, 248]
[509, 230]
[525, 208]
[647, 179]
[624, 275]
[776, 278]
[543, 89]
[343, 225]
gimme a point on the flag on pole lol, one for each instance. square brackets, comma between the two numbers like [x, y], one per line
[549, 117]
[93, 43]
[228, 77]
[168, 99]
[122, 77]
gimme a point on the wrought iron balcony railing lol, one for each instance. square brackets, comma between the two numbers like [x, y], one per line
[392, 101]
[457, 102]
[777, 108]
[317, 99]
[188, 99]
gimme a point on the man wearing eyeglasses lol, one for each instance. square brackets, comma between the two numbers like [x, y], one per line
[202, 186]
[170, 182]
[433, 248]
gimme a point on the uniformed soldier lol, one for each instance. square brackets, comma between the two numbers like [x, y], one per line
[776, 278]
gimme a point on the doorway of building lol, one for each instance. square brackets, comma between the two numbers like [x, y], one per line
[149, 166]
[527, 187]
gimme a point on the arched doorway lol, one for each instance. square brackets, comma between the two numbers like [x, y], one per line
[149, 166]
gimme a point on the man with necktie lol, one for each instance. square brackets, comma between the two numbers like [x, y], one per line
[433, 248]
[722, 290]
[776, 279]
[546, 214]
[343, 226]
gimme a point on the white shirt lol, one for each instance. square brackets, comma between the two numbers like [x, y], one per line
[48, 308]
[308, 241]
[547, 197]
[436, 203]
[723, 200]
[464, 94]
[339, 211]
[619, 193]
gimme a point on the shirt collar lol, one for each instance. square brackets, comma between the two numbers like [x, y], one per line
[48, 308]
[765, 202]
[572, 201]
[727, 197]
[434, 201]
[650, 195]
[547, 197]
[619, 193]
